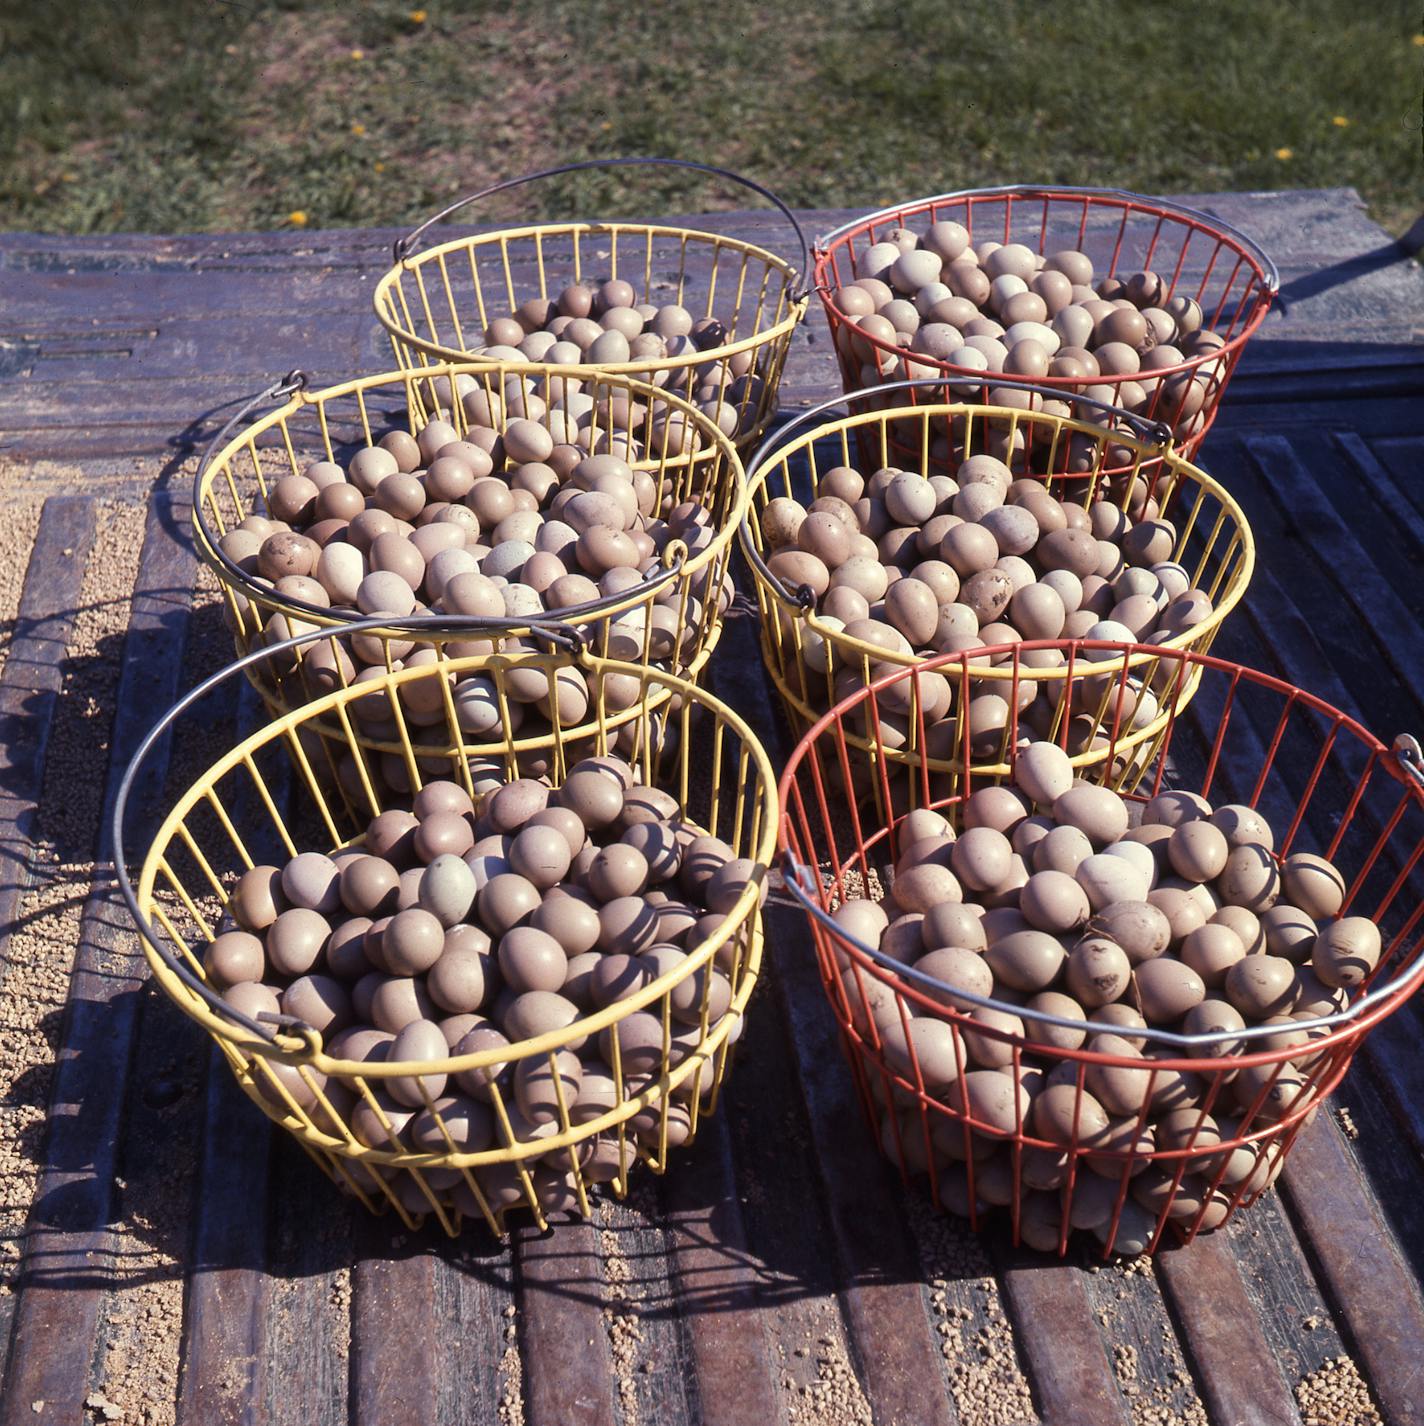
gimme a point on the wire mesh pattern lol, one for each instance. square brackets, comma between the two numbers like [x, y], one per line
[1229, 278]
[1323, 782]
[672, 618]
[275, 794]
[965, 723]
[437, 304]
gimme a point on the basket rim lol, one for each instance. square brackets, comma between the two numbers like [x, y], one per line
[771, 454]
[1266, 276]
[231, 1027]
[218, 459]
[1378, 1001]
[391, 322]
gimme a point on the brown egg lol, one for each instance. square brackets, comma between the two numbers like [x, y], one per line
[295, 941]
[234, 957]
[1065, 1115]
[982, 858]
[516, 803]
[443, 834]
[594, 796]
[369, 886]
[412, 942]
[616, 977]
[257, 898]
[1139, 927]
[546, 1087]
[319, 1001]
[1242, 824]
[914, 610]
[570, 920]
[1289, 932]
[1053, 901]
[1064, 849]
[453, 1120]
[566, 822]
[953, 925]
[617, 871]
[252, 999]
[345, 950]
[420, 1040]
[506, 900]
[1347, 952]
[1027, 961]
[1246, 924]
[541, 855]
[1261, 986]
[397, 1001]
[627, 925]
[926, 1052]
[1098, 971]
[461, 979]
[993, 1050]
[391, 836]
[530, 959]
[658, 846]
[1099, 813]
[1313, 884]
[957, 969]
[1198, 851]
[1250, 878]
[1211, 950]
[1167, 988]
[481, 1040]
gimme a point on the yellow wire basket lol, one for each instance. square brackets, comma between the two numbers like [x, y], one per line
[442, 303]
[665, 1058]
[671, 618]
[1103, 455]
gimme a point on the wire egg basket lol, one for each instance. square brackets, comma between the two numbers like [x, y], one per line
[670, 618]
[278, 791]
[1321, 780]
[438, 304]
[1219, 274]
[943, 729]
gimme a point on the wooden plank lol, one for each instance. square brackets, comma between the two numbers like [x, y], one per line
[881, 1293]
[31, 681]
[1067, 1361]
[568, 1375]
[1240, 1377]
[394, 1369]
[1373, 1291]
[225, 1315]
[716, 1284]
[68, 1244]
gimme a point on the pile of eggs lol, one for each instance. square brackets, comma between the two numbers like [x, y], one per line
[917, 566]
[514, 525]
[1051, 899]
[460, 927]
[1005, 309]
[603, 324]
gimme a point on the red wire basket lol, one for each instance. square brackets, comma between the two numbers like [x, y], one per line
[1323, 782]
[1195, 255]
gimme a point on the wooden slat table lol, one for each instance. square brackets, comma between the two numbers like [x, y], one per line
[173, 1258]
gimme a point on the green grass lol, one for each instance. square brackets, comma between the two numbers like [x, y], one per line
[185, 115]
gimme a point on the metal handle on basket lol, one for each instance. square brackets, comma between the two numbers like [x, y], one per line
[798, 879]
[1270, 273]
[556, 633]
[1157, 432]
[401, 248]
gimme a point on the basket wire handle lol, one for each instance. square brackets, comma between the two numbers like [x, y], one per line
[557, 634]
[402, 247]
[1156, 433]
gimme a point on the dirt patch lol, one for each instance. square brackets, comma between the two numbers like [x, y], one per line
[17, 534]
[1336, 1395]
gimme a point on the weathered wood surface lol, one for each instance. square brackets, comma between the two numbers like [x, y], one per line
[779, 1251]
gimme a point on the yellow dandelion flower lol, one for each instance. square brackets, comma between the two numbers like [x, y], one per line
[297, 218]
[417, 17]
[358, 129]
[1418, 41]
[379, 166]
[358, 54]
[1340, 121]
[1284, 154]
[68, 177]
